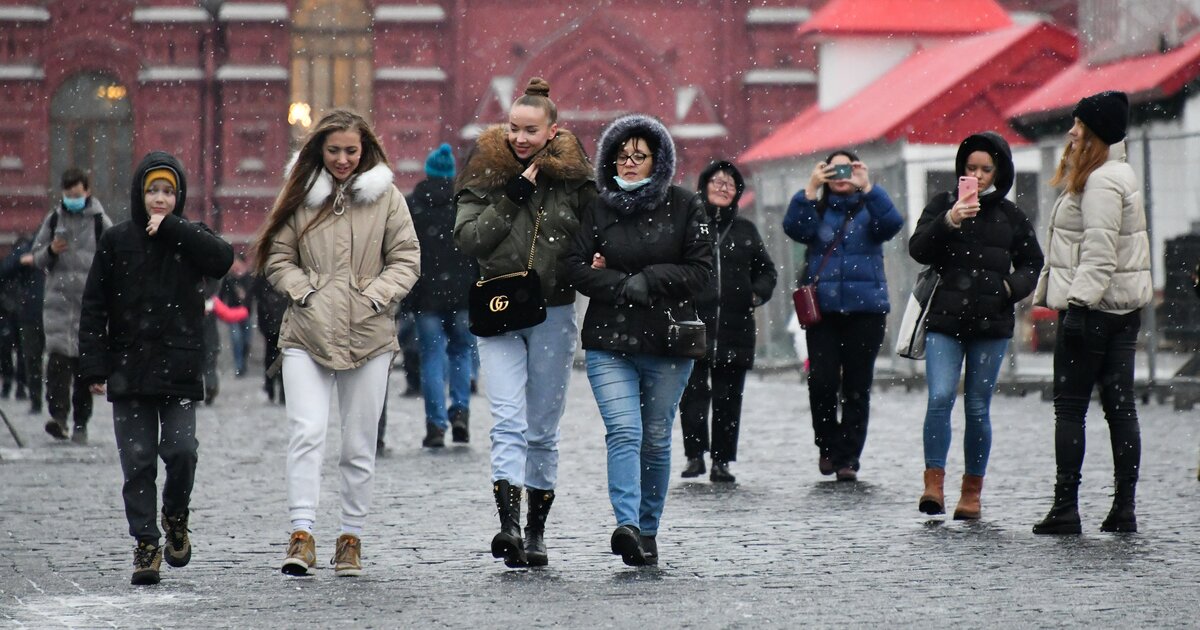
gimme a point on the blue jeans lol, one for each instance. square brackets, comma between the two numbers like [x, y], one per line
[447, 352]
[239, 339]
[944, 357]
[525, 374]
[637, 395]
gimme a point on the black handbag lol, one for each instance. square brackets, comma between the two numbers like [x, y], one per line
[686, 339]
[509, 302]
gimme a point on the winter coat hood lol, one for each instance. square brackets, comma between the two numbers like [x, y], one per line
[662, 173]
[721, 215]
[996, 146]
[365, 187]
[491, 161]
[137, 195]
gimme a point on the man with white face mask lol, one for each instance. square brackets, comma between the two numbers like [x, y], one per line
[64, 247]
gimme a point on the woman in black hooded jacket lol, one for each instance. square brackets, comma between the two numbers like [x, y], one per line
[745, 278]
[987, 257]
[642, 251]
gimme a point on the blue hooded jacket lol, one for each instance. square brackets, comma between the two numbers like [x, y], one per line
[853, 280]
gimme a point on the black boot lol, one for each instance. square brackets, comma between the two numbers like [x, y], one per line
[434, 436]
[507, 544]
[1064, 514]
[535, 528]
[1121, 518]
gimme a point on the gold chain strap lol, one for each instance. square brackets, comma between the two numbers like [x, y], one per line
[532, 246]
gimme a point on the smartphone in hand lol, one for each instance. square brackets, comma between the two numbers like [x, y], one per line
[842, 171]
[968, 189]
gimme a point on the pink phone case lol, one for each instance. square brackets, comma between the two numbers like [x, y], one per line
[968, 188]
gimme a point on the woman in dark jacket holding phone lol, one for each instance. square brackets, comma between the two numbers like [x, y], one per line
[745, 278]
[642, 251]
[984, 249]
[840, 212]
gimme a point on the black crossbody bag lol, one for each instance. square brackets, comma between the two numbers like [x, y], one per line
[509, 302]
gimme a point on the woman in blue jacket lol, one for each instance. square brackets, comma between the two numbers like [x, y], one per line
[850, 218]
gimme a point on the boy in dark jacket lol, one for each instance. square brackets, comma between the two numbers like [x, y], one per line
[141, 339]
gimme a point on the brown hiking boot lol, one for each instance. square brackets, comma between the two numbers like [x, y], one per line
[347, 559]
[147, 557]
[178, 550]
[301, 554]
[968, 508]
[933, 499]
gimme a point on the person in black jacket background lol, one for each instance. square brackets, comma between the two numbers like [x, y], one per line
[440, 301]
[745, 277]
[31, 287]
[987, 256]
[642, 251]
[141, 340]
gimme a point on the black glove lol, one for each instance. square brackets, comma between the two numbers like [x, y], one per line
[1072, 323]
[518, 189]
[635, 290]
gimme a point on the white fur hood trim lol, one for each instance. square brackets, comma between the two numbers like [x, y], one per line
[366, 187]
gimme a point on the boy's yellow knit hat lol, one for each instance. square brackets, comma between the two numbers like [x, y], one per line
[161, 172]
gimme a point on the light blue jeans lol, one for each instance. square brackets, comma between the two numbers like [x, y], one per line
[447, 355]
[944, 356]
[525, 374]
[638, 395]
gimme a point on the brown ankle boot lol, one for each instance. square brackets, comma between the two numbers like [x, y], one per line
[968, 502]
[933, 500]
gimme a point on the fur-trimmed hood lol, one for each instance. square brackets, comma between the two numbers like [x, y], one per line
[661, 174]
[491, 161]
[739, 183]
[366, 187]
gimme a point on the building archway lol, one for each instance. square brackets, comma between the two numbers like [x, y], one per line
[91, 127]
[331, 60]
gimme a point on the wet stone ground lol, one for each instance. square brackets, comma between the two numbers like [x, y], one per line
[784, 547]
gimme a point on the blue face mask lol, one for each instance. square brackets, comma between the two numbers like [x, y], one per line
[631, 186]
[74, 204]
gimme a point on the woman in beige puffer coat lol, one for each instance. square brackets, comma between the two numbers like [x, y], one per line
[1097, 275]
[340, 243]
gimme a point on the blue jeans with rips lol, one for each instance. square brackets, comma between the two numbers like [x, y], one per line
[638, 396]
[944, 357]
[525, 374]
[447, 354]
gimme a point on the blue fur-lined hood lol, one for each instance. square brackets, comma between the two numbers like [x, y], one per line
[662, 148]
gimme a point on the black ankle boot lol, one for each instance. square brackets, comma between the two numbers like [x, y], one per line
[1064, 514]
[1121, 518]
[507, 544]
[535, 528]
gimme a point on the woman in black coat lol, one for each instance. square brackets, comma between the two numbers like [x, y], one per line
[642, 252]
[987, 256]
[744, 280]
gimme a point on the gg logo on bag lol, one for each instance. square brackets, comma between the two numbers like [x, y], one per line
[498, 303]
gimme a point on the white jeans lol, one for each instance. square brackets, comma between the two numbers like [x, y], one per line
[361, 393]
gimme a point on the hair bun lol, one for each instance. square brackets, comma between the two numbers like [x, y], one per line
[537, 87]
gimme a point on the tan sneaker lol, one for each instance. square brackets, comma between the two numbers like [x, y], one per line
[301, 555]
[147, 557]
[347, 560]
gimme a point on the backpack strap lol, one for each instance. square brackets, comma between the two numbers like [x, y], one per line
[99, 218]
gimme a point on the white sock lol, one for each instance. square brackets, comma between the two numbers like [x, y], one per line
[352, 530]
[302, 525]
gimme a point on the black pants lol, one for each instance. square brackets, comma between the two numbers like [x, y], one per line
[725, 396]
[65, 390]
[12, 369]
[33, 347]
[842, 351]
[1103, 356]
[136, 422]
[271, 353]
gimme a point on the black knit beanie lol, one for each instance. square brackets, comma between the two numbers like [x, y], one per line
[1106, 114]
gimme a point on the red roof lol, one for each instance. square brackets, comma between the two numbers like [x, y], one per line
[1147, 78]
[937, 96]
[918, 17]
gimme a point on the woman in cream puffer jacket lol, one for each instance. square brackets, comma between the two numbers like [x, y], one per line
[1098, 277]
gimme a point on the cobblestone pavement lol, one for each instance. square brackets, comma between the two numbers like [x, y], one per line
[783, 547]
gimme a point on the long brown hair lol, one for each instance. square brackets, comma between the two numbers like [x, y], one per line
[309, 162]
[1078, 161]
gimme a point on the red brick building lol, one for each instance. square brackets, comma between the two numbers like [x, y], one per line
[229, 86]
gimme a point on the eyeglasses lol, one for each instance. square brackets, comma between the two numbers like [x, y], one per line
[720, 184]
[636, 158]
